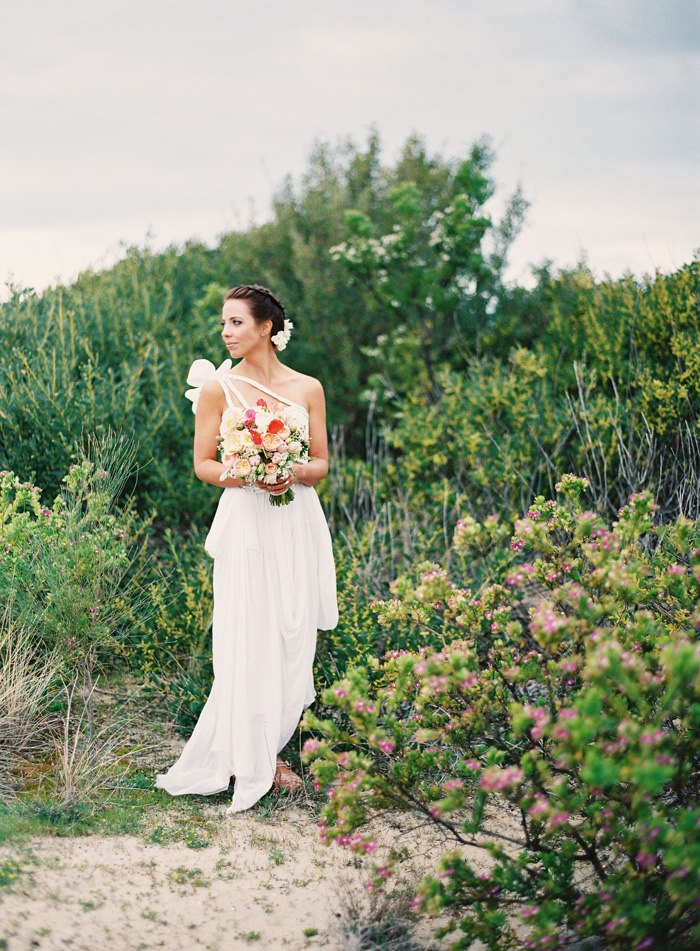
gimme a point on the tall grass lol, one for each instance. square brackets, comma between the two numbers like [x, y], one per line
[28, 681]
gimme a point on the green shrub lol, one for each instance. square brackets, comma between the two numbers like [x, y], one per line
[70, 575]
[105, 354]
[564, 692]
[171, 625]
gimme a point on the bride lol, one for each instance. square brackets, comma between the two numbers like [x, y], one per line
[274, 577]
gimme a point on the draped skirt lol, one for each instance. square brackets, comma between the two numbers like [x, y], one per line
[274, 587]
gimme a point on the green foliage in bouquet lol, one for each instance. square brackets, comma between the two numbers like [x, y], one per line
[552, 720]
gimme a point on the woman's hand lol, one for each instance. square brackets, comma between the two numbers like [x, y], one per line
[277, 488]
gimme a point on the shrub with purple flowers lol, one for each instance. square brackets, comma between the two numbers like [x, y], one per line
[552, 720]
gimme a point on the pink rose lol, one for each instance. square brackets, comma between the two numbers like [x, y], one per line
[270, 473]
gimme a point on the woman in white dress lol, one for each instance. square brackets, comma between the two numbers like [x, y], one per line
[274, 576]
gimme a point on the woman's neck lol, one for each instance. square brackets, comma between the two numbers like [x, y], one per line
[261, 367]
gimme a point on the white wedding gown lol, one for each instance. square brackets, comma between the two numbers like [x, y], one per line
[274, 586]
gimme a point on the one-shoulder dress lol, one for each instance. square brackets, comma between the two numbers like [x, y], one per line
[274, 586]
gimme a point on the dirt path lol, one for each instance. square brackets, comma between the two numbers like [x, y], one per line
[261, 884]
[261, 879]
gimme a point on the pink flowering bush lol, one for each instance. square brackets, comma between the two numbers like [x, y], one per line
[556, 726]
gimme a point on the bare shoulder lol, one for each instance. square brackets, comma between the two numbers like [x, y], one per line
[308, 385]
[211, 393]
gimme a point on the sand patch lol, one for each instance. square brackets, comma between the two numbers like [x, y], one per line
[261, 884]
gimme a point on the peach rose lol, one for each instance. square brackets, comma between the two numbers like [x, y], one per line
[242, 468]
[271, 442]
[270, 473]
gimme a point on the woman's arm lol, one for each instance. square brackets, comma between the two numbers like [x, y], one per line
[316, 468]
[206, 428]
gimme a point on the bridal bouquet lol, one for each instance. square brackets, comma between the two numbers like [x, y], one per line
[259, 445]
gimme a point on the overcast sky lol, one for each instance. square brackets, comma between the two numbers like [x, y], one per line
[178, 118]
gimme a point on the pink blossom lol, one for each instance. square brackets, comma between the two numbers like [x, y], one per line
[645, 859]
[539, 806]
[651, 737]
[495, 778]
[541, 718]
[546, 620]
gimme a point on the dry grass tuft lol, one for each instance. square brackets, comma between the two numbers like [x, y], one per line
[25, 686]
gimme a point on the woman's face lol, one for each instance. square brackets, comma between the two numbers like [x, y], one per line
[240, 331]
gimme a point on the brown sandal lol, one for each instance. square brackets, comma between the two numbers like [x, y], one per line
[285, 777]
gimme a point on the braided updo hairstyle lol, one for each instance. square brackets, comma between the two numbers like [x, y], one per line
[263, 304]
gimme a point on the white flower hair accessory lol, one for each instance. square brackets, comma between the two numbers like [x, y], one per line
[281, 338]
[200, 372]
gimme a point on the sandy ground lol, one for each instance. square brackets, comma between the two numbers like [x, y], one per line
[264, 881]
[261, 884]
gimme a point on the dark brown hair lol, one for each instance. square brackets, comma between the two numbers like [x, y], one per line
[262, 302]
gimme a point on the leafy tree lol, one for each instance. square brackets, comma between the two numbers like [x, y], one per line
[434, 260]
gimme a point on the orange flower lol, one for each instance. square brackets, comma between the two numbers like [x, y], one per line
[275, 426]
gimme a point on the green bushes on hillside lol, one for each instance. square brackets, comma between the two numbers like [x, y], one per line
[112, 350]
[393, 275]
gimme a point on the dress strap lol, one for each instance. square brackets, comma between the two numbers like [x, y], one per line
[229, 386]
[259, 386]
